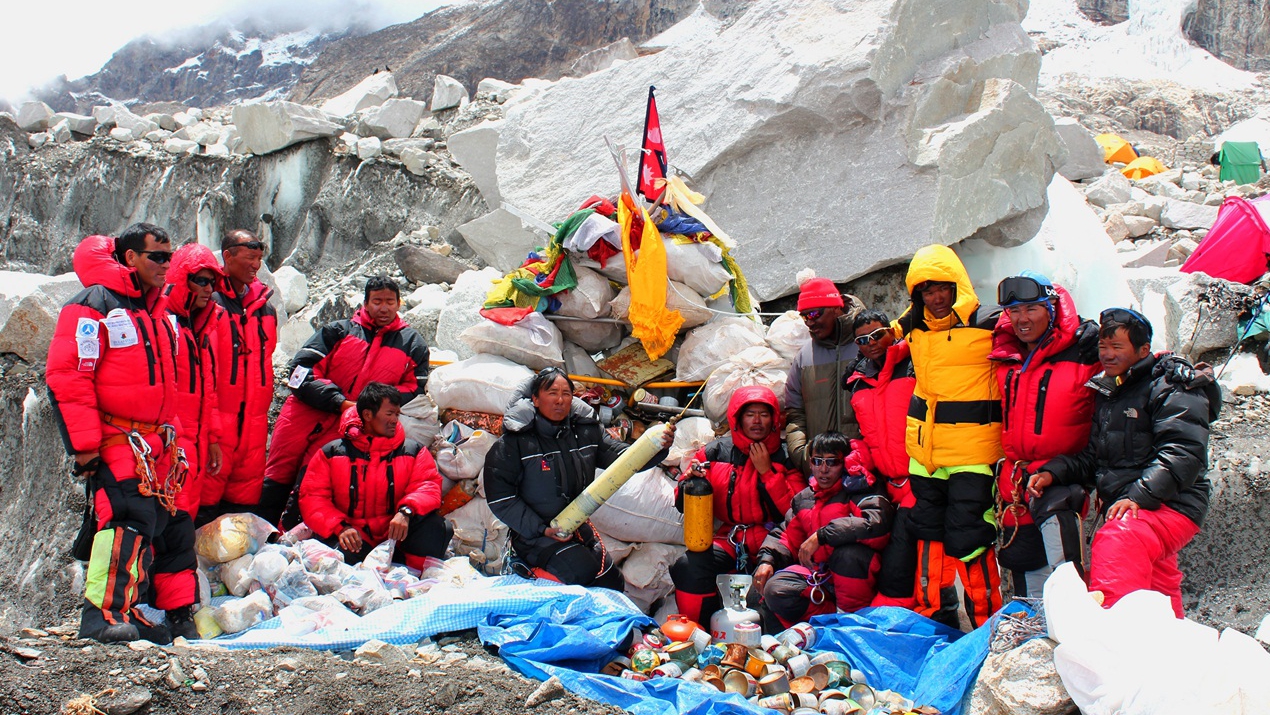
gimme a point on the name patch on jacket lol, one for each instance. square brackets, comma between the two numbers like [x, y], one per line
[88, 349]
[120, 329]
[297, 377]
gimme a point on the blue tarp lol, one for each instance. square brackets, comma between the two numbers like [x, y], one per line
[570, 632]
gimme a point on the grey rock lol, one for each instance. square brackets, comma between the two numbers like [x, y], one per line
[1184, 214]
[294, 287]
[1193, 328]
[495, 89]
[447, 93]
[61, 132]
[446, 695]
[377, 651]
[476, 150]
[158, 136]
[417, 160]
[551, 689]
[1022, 681]
[34, 116]
[29, 305]
[38, 139]
[1146, 254]
[394, 147]
[1190, 181]
[120, 134]
[1183, 248]
[125, 701]
[78, 123]
[180, 146]
[500, 238]
[1084, 156]
[175, 677]
[1112, 188]
[462, 309]
[370, 92]
[1115, 226]
[266, 127]
[426, 304]
[138, 125]
[423, 265]
[1139, 225]
[394, 119]
[369, 148]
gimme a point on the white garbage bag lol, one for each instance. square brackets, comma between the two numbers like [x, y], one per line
[593, 336]
[482, 383]
[461, 450]
[533, 341]
[787, 335]
[708, 346]
[697, 265]
[758, 365]
[479, 535]
[647, 573]
[240, 614]
[691, 435]
[642, 510]
[419, 418]
[591, 297]
[678, 297]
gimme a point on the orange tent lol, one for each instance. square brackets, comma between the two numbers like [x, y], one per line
[1115, 149]
[1142, 167]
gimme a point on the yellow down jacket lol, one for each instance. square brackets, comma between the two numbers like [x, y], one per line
[954, 418]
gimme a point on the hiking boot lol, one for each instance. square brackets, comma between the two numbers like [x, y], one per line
[521, 569]
[117, 633]
[156, 633]
[181, 623]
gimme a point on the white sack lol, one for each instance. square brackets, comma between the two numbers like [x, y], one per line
[697, 265]
[647, 572]
[753, 366]
[591, 336]
[482, 383]
[678, 297]
[691, 434]
[479, 535]
[787, 335]
[419, 418]
[465, 458]
[591, 297]
[642, 510]
[708, 346]
[533, 341]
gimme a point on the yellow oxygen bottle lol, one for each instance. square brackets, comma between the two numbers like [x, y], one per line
[698, 500]
[610, 480]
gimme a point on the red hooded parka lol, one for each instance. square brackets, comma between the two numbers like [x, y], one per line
[880, 399]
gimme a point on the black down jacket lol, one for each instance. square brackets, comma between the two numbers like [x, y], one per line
[537, 467]
[1149, 440]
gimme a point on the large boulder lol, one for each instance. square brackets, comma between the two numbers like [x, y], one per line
[294, 287]
[1084, 156]
[370, 92]
[266, 127]
[34, 116]
[1022, 681]
[775, 115]
[447, 93]
[394, 119]
[1113, 188]
[426, 304]
[78, 123]
[501, 238]
[476, 150]
[125, 119]
[29, 304]
[1196, 324]
[1184, 214]
[423, 265]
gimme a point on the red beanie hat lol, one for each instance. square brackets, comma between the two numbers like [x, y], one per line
[819, 293]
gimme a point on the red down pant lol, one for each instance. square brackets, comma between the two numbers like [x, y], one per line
[140, 552]
[849, 586]
[1132, 554]
[936, 590]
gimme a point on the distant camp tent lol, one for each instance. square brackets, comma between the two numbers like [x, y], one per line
[1115, 149]
[1235, 248]
[1142, 167]
[1240, 162]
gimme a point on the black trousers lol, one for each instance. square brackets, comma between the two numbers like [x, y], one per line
[899, 559]
[954, 511]
[429, 536]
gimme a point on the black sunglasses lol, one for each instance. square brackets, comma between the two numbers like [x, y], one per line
[813, 314]
[872, 337]
[1125, 315]
[825, 461]
[159, 257]
[250, 245]
[202, 280]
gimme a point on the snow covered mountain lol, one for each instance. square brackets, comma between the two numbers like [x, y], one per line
[202, 67]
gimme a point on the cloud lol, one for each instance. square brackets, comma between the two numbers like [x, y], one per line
[76, 37]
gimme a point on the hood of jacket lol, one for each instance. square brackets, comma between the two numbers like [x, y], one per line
[1006, 346]
[520, 413]
[255, 295]
[940, 264]
[95, 264]
[354, 431]
[362, 318]
[747, 395]
[188, 260]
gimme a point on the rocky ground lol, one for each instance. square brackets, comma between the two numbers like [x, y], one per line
[50, 671]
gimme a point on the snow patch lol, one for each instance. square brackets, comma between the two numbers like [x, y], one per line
[698, 27]
[1149, 46]
[190, 63]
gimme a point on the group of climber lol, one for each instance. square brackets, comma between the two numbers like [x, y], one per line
[161, 376]
[952, 443]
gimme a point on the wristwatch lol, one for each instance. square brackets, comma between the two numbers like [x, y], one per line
[406, 510]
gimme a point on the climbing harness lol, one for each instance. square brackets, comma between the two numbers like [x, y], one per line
[736, 537]
[816, 580]
[1016, 505]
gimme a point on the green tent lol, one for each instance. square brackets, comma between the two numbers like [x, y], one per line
[1240, 161]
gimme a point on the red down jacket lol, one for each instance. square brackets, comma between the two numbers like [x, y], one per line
[880, 396]
[741, 495]
[113, 351]
[362, 481]
[1046, 407]
[244, 386]
[333, 366]
[850, 511]
[195, 367]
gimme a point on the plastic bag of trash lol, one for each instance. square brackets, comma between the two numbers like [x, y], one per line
[461, 450]
[457, 572]
[311, 613]
[709, 346]
[380, 557]
[268, 565]
[482, 383]
[479, 535]
[331, 580]
[363, 591]
[758, 365]
[229, 536]
[678, 297]
[419, 419]
[696, 265]
[240, 614]
[532, 341]
[297, 533]
[205, 622]
[592, 336]
[691, 434]
[317, 557]
[236, 575]
[647, 573]
[292, 584]
[591, 297]
[787, 335]
[642, 510]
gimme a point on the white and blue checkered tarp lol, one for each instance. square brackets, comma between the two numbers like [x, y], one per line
[543, 629]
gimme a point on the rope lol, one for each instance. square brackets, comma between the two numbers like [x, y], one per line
[1015, 507]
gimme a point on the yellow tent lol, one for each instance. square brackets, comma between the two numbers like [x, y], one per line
[1142, 167]
[1115, 149]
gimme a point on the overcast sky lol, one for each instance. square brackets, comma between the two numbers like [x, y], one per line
[76, 37]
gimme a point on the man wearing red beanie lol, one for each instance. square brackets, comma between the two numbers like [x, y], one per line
[814, 399]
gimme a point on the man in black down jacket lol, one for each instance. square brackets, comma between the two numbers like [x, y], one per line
[1147, 456]
[548, 454]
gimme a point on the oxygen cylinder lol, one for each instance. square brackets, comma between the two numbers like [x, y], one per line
[698, 498]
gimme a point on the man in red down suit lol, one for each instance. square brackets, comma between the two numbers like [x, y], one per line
[754, 482]
[335, 364]
[190, 284]
[112, 381]
[373, 484]
[244, 377]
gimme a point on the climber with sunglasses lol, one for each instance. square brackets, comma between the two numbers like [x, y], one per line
[814, 400]
[1044, 355]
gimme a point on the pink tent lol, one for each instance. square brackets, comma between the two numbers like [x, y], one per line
[1235, 248]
